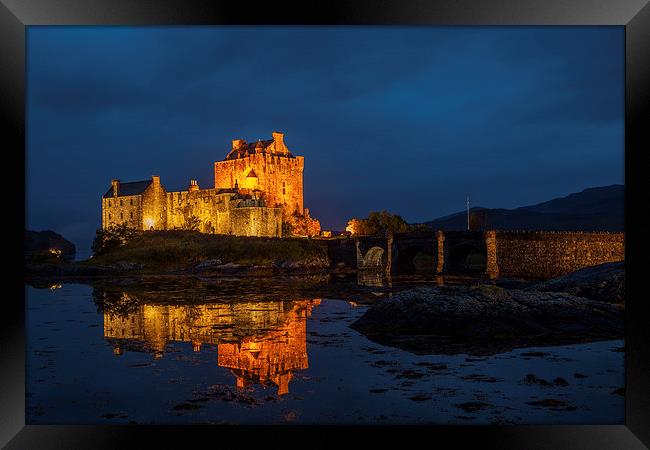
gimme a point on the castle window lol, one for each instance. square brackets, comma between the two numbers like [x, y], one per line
[131, 213]
[284, 187]
[109, 203]
[109, 216]
[121, 203]
[131, 204]
[121, 216]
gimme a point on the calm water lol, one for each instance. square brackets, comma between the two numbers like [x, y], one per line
[97, 355]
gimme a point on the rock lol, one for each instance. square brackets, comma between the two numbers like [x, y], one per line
[229, 268]
[126, 265]
[208, 264]
[289, 264]
[312, 263]
[604, 282]
[486, 319]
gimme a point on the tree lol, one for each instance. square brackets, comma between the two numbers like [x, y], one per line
[192, 223]
[300, 224]
[112, 237]
[378, 223]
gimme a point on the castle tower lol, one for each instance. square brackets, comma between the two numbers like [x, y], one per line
[267, 165]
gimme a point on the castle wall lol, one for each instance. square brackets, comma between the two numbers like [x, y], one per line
[255, 221]
[279, 177]
[211, 208]
[122, 210]
[154, 206]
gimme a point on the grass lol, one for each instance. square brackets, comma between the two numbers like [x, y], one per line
[176, 249]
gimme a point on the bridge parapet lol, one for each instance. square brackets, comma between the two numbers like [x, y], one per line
[494, 253]
[541, 254]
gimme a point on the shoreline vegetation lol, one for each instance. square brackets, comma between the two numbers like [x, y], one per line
[180, 252]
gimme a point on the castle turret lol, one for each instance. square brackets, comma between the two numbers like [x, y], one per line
[194, 186]
[278, 139]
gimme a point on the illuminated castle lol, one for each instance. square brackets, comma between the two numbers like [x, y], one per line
[260, 342]
[253, 186]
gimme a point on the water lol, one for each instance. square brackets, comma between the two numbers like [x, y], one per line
[152, 354]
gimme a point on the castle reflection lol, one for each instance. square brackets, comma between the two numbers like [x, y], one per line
[260, 342]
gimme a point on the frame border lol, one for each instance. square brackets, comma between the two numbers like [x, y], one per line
[16, 15]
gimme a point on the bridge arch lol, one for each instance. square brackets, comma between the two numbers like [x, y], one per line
[415, 259]
[467, 257]
[374, 258]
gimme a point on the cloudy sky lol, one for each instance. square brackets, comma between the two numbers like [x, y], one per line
[408, 119]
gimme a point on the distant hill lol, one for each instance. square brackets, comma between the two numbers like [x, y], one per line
[41, 242]
[594, 209]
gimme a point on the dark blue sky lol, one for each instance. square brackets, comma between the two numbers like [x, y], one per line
[408, 119]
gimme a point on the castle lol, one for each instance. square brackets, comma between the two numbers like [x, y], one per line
[253, 186]
[260, 342]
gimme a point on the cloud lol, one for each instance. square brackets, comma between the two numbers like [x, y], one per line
[406, 119]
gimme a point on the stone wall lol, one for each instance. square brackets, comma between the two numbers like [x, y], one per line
[220, 213]
[525, 254]
[210, 207]
[154, 206]
[255, 221]
[278, 177]
[122, 210]
[548, 254]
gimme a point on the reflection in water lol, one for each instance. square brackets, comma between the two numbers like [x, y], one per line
[374, 278]
[261, 342]
[379, 278]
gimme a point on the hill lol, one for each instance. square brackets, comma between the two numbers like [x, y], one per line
[593, 209]
[47, 245]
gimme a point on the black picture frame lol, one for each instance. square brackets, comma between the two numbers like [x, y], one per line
[634, 15]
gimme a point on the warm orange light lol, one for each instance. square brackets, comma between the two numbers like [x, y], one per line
[351, 227]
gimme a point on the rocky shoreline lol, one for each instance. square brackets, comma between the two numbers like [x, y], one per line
[206, 268]
[488, 319]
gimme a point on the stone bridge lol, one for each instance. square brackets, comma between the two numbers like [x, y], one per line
[525, 254]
